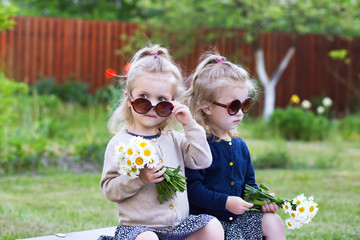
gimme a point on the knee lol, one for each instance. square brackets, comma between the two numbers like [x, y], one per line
[148, 235]
[273, 225]
[214, 229]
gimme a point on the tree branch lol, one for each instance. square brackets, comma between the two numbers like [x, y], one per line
[284, 63]
[260, 66]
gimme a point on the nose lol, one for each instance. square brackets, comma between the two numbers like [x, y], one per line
[240, 113]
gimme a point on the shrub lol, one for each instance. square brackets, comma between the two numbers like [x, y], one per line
[298, 124]
[272, 159]
[11, 94]
[109, 95]
[71, 91]
[349, 128]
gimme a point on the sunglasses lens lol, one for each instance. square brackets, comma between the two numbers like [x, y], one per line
[164, 109]
[142, 105]
[246, 105]
[234, 107]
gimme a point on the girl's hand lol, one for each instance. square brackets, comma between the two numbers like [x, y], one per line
[237, 205]
[270, 207]
[152, 175]
[182, 113]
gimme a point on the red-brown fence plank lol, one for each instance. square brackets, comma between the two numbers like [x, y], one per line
[64, 49]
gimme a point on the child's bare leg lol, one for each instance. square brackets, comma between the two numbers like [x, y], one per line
[148, 235]
[273, 227]
[211, 231]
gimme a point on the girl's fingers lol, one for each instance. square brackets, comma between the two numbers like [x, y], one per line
[157, 180]
[159, 173]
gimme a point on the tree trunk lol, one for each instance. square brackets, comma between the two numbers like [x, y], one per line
[270, 84]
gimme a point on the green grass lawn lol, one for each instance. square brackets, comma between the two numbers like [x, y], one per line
[36, 205]
[63, 202]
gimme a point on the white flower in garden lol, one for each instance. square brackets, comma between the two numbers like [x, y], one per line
[302, 210]
[299, 199]
[139, 161]
[306, 104]
[287, 207]
[134, 173]
[312, 208]
[134, 156]
[320, 109]
[327, 102]
[292, 224]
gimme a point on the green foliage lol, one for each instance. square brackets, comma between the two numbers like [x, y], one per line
[298, 124]
[90, 152]
[179, 24]
[109, 95]
[11, 94]
[46, 134]
[86, 9]
[349, 127]
[6, 11]
[272, 159]
[71, 91]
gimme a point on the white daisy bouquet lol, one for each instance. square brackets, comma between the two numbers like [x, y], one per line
[301, 209]
[140, 153]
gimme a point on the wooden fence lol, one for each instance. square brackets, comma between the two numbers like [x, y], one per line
[81, 50]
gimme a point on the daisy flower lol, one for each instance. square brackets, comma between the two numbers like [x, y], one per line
[300, 209]
[299, 199]
[287, 207]
[140, 153]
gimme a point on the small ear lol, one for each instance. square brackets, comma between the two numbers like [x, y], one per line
[206, 107]
[126, 96]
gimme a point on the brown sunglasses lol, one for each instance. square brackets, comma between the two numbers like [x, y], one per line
[234, 107]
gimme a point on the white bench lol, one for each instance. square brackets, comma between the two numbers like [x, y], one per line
[85, 235]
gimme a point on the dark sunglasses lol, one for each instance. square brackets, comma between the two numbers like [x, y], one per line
[143, 105]
[234, 107]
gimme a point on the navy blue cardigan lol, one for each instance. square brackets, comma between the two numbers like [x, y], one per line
[208, 189]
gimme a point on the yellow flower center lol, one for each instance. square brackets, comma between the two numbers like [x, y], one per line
[128, 162]
[289, 224]
[312, 208]
[130, 151]
[286, 207]
[298, 202]
[143, 144]
[301, 209]
[139, 161]
[292, 214]
[151, 161]
[133, 169]
[120, 149]
[147, 152]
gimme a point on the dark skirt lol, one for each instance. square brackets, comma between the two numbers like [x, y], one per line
[247, 226]
[189, 225]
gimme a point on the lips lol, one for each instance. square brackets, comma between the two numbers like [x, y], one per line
[237, 121]
[150, 116]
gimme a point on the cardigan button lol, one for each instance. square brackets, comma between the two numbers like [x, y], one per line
[231, 163]
[232, 183]
[231, 218]
[171, 206]
[170, 227]
[230, 143]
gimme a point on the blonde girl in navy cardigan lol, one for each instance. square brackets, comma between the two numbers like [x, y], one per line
[221, 92]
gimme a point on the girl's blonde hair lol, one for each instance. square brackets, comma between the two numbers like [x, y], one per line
[213, 72]
[151, 59]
